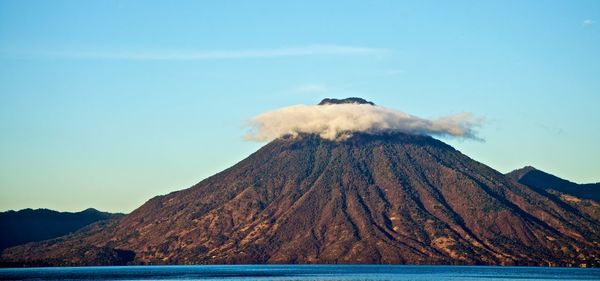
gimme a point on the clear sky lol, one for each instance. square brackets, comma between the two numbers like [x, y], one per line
[106, 104]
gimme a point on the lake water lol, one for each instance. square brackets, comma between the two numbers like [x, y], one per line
[300, 273]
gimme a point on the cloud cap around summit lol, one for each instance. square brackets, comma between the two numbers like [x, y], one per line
[339, 119]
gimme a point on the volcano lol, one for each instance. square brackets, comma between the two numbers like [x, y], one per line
[386, 198]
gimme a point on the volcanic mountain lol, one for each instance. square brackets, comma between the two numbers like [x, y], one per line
[390, 198]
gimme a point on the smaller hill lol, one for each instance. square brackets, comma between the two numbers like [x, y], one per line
[540, 180]
[28, 225]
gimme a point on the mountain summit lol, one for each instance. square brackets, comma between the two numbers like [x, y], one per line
[372, 198]
[345, 101]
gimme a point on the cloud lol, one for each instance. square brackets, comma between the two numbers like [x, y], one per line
[588, 22]
[294, 51]
[339, 121]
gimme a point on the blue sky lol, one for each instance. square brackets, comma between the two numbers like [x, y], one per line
[106, 104]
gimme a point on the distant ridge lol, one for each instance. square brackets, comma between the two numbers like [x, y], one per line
[541, 180]
[28, 225]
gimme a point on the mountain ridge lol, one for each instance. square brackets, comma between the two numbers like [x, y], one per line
[30, 225]
[541, 180]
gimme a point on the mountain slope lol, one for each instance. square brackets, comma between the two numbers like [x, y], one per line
[20, 227]
[391, 198]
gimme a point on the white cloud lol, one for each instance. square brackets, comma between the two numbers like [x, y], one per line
[293, 51]
[339, 121]
[588, 22]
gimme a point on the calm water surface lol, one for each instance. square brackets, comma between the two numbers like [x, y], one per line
[300, 273]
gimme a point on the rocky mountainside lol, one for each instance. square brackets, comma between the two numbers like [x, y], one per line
[388, 198]
[20, 227]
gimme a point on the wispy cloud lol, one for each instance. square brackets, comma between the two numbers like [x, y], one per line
[320, 89]
[588, 22]
[394, 72]
[292, 51]
[311, 88]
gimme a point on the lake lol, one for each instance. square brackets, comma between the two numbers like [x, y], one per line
[300, 273]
